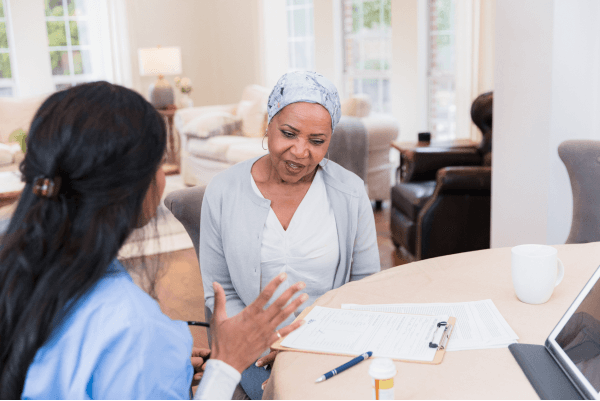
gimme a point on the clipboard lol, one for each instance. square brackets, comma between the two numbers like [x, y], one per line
[439, 355]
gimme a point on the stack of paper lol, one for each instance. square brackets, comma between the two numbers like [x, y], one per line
[479, 324]
[349, 332]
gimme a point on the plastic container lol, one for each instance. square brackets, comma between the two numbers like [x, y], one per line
[382, 372]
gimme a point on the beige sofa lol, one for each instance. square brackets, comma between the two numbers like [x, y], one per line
[15, 114]
[213, 138]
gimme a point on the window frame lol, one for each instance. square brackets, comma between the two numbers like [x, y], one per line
[8, 82]
[72, 78]
[351, 73]
[308, 38]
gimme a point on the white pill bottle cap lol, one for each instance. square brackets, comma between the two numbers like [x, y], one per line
[382, 369]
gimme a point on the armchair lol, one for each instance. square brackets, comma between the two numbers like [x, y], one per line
[441, 199]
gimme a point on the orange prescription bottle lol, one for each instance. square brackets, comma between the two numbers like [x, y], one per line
[382, 372]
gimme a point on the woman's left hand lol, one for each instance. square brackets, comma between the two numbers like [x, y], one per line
[199, 357]
[267, 360]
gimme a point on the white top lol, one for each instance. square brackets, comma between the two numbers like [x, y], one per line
[307, 251]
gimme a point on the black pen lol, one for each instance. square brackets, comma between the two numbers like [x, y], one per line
[203, 324]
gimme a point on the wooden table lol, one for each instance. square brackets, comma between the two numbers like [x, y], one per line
[475, 374]
[171, 166]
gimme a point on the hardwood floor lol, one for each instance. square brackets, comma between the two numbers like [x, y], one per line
[179, 289]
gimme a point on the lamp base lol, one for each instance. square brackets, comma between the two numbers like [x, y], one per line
[161, 94]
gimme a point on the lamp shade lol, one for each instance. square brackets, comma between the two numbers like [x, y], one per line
[160, 61]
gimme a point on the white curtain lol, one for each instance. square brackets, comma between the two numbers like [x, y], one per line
[474, 59]
[112, 60]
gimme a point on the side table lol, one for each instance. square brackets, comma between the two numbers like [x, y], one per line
[171, 165]
[407, 149]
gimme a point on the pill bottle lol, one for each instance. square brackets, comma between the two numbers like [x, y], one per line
[382, 372]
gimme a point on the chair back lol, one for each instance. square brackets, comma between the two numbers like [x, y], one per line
[349, 146]
[582, 160]
[185, 204]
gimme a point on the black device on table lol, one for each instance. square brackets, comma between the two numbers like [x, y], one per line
[568, 365]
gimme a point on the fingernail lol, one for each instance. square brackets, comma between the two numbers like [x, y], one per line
[262, 386]
[266, 366]
[258, 364]
[304, 297]
[301, 285]
[302, 322]
[282, 276]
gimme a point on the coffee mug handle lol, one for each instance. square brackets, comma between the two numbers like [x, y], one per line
[561, 272]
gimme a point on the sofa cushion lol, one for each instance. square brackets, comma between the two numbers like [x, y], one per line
[213, 124]
[359, 105]
[410, 197]
[10, 153]
[17, 114]
[238, 152]
[254, 118]
[217, 147]
[185, 115]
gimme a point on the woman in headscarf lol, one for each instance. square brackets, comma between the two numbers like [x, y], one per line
[290, 211]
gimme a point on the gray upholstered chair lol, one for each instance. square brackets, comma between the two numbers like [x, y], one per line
[582, 160]
[349, 146]
[185, 204]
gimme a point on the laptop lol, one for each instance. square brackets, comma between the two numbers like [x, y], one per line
[568, 365]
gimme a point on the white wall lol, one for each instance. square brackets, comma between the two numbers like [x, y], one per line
[274, 41]
[328, 40]
[575, 106]
[546, 91]
[409, 67]
[220, 43]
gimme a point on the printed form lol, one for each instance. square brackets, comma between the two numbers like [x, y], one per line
[354, 332]
[479, 324]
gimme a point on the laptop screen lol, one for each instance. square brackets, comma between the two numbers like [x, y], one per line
[575, 342]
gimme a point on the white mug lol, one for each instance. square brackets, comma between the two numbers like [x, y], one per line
[536, 270]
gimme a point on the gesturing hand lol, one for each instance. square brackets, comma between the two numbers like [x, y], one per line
[239, 340]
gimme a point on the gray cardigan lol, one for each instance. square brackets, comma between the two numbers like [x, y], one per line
[232, 222]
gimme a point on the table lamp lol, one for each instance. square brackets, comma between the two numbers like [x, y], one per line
[160, 61]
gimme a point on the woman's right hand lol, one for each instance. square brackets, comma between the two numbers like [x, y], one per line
[239, 340]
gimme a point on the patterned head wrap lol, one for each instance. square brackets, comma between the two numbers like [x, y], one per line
[305, 86]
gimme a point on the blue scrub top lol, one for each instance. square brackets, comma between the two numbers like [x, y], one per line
[116, 344]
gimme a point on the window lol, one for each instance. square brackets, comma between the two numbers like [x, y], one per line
[6, 79]
[69, 40]
[367, 33]
[301, 35]
[441, 69]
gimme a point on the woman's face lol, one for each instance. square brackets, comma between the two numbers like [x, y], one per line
[299, 137]
[152, 199]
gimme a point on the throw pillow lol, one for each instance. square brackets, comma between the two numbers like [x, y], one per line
[213, 124]
[10, 153]
[254, 117]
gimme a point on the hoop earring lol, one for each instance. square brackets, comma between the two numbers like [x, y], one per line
[262, 143]
[327, 160]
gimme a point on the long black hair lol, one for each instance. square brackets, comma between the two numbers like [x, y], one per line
[105, 144]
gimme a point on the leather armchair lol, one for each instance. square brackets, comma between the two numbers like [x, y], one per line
[441, 199]
[447, 215]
